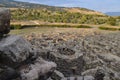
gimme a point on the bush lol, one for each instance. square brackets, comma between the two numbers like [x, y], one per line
[119, 29]
[83, 26]
[54, 25]
[29, 26]
[16, 26]
[108, 28]
[111, 21]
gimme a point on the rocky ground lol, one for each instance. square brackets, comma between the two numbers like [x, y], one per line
[19, 61]
[80, 52]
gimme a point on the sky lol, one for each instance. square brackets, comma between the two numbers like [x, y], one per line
[98, 5]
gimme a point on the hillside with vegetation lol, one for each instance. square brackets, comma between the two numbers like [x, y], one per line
[24, 11]
[63, 16]
[83, 43]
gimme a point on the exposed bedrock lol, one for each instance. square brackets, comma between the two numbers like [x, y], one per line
[76, 55]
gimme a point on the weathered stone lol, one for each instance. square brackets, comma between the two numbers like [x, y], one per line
[79, 78]
[39, 70]
[8, 73]
[65, 63]
[14, 50]
[4, 21]
[57, 75]
[99, 75]
[99, 50]
[18, 54]
[66, 51]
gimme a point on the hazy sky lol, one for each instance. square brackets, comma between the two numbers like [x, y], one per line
[99, 5]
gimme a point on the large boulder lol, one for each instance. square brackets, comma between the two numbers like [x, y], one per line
[14, 50]
[19, 59]
[4, 21]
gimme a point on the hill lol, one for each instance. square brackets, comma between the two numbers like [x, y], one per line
[83, 11]
[24, 11]
[18, 4]
[57, 16]
[12, 3]
[113, 13]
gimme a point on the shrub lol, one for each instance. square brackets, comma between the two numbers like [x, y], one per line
[29, 26]
[16, 26]
[83, 26]
[108, 28]
[111, 21]
[119, 29]
[54, 25]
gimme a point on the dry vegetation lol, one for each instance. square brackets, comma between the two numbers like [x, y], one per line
[82, 11]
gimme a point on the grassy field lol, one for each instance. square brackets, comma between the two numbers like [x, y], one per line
[32, 30]
[47, 30]
[28, 28]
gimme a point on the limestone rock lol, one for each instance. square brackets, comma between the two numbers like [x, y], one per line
[66, 63]
[101, 50]
[19, 56]
[79, 78]
[8, 73]
[57, 75]
[14, 50]
[41, 70]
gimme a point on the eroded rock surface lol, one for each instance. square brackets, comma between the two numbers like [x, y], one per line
[14, 50]
[18, 59]
[78, 54]
[79, 78]
[40, 70]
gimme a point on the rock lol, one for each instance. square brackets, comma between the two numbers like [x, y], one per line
[95, 51]
[40, 69]
[8, 73]
[14, 50]
[99, 75]
[57, 75]
[18, 59]
[66, 51]
[19, 56]
[79, 78]
[65, 63]
[4, 21]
